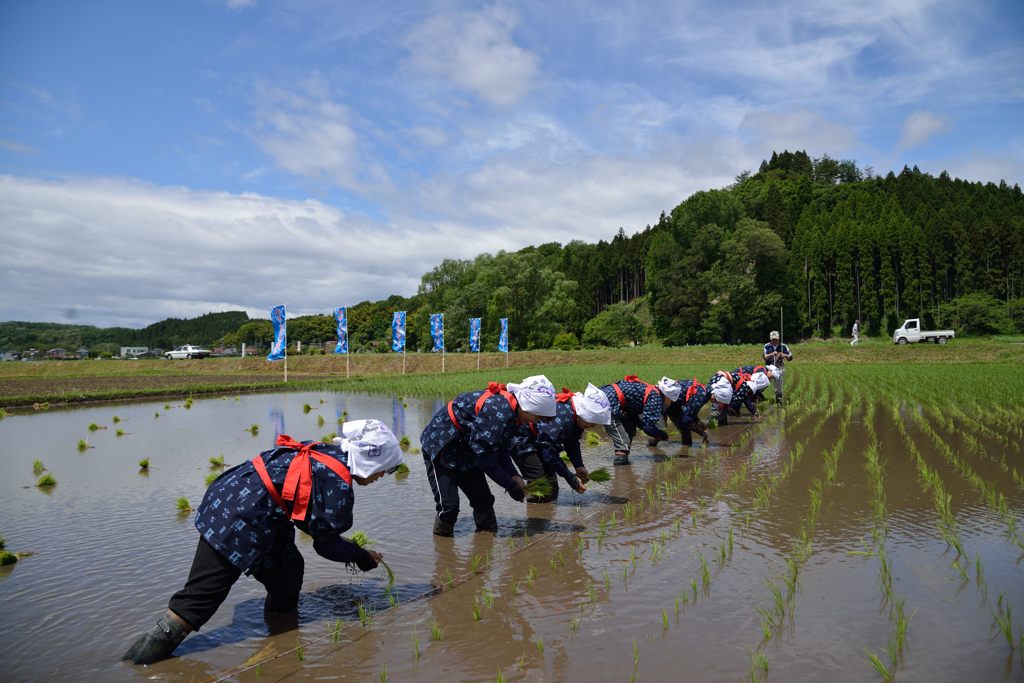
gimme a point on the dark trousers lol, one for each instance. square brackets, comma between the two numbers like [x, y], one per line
[212, 577]
[533, 467]
[446, 483]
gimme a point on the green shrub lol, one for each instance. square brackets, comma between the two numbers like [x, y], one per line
[565, 341]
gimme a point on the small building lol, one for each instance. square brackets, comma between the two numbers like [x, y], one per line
[133, 351]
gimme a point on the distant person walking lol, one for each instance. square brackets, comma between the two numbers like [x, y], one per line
[856, 333]
[776, 353]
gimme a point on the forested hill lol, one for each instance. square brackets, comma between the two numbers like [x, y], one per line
[821, 239]
[825, 241]
[204, 330]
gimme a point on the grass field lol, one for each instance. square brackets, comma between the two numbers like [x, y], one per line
[61, 382]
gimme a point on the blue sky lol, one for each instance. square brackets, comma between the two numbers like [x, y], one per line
[172, 158]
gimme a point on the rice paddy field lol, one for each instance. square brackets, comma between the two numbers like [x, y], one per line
[868, 530]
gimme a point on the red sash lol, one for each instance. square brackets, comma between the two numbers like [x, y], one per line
[298, 482]
[493, 389]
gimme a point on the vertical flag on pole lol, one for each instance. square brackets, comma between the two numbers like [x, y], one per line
[437, 330]
[474, 335]
[398, 332]
[341, 317]
[503, 337]
[278, 347]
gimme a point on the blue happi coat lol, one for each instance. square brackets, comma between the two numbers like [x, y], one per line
[550, 438]
[743, 396]
[683, 412]
[644, 414]
[242, 522]
[485, 439]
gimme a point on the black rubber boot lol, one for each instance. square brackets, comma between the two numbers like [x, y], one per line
[486, 521]
[158, 643]
[277, 603]
[443, 528]
[621, 459]
[778, 399]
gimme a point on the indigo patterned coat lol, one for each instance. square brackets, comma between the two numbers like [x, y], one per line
[644, 414]
[483, 439]
[550, 438]
[242, 522]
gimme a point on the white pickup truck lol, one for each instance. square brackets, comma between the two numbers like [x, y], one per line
[187, 351]
[911, 332]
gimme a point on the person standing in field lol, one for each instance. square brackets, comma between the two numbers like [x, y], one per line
[472, 436]
[776, 353]
[856, 333]
[636, 403]
[247, 523]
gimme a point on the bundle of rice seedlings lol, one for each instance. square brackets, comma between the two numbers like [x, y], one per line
[306, 408]
[211, 477]
[184, 505]
[601, 475]
[593, 439]
[539, 488]
[144, 464]
[37, 469]
[361, 539]
[7, 557]
[404, 442]
[116, 419]
[254, 429]
[402, 471]
[188, 403]
[46, 481]
[217, 461]
[83, 445]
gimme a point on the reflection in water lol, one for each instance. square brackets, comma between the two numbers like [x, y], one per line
[276, 416]
[398, 416]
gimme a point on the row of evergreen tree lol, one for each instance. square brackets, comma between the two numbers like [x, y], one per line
[818, 242]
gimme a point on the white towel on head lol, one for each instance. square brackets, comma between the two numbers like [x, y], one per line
[535, 394]
[592, 405]
[371, 447]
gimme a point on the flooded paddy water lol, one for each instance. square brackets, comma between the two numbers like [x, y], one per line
[852, 523]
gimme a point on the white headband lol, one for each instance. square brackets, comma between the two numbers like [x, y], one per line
[722, 390]
[592, 405]
[670, 388]
[757, 382]
[535, 395]
[371, 447]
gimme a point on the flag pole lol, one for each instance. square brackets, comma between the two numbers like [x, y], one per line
[403, 359]
[286, 363]
[442, 360]
[346, 367]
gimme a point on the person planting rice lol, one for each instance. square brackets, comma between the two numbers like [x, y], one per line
[745, 391]
[685, 411]
[776, 353]
[636, 403]
[751, 370]
[538, 446]
[247, 524]
[473, 436]
[721, 387]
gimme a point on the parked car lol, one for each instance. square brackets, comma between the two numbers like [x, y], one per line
[187, 351]
[911, 332]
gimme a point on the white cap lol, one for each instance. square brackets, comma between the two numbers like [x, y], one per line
[774, 334]
[535, 395]
[592, 405]
[721, 389]
[670, 388]
[371, 447]
[757, 382]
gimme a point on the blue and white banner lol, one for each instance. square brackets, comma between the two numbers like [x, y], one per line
[277, 349]
[341, 317]
[474, 335]
[398, 332]
[437, 330]
[503, 338]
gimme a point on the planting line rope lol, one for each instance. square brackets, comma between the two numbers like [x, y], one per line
[456, 581]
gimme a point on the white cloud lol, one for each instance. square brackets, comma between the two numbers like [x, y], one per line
[239, 4]
[475, 52]
[797, 130]
[920, 126]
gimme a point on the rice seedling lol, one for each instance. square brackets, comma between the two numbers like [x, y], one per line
[521, 662]
[593, 439]
[361, 539]
[574, 624]
[539, 644]
[636, 654]
[328, 437]
[254, 429]
[404, 442]
[211, 477]
[539, 488]
[664, 620]
[693, 587]
[37, 468]
[488, 597]
[184, 505]
[383, 675]
[607, 581]
[188, 403]
[365, 615]
[705, 573]
[1004, 621]
[501, 676]
[515, 586]
[156, 414]
[119, 432]
[167, 406]
[448, 578]
[7, 558]
[306, 408]
[391, 578]
[880, 667]
[601, 475]
[46, 481]
[217, 461]
[416, 647]
[300, 653]
[476, 610]
[144, 464]
[320, 420]
[116, 419]
[436, 632]
[336, 631]
[83, 445]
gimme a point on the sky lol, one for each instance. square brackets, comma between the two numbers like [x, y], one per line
[170, 158]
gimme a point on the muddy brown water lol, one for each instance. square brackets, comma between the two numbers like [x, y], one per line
[604, 586]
